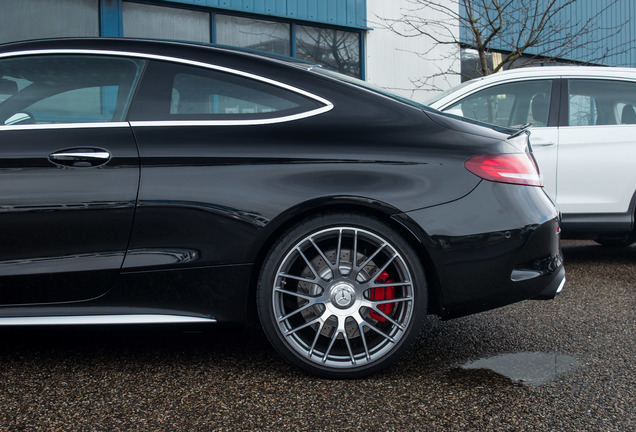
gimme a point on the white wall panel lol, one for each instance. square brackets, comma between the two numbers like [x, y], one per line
[402, 64]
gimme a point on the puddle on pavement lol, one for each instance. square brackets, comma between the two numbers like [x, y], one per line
[528, 368]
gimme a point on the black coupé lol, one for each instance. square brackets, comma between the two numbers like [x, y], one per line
[157, 182]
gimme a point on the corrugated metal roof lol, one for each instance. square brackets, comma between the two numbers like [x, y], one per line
[346, 13]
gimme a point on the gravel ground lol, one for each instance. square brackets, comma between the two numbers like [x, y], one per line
[199, 379]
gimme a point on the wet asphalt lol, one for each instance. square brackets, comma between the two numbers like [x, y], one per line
[200, 378]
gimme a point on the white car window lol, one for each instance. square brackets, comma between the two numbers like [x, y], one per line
[601, 102]
[508, 104]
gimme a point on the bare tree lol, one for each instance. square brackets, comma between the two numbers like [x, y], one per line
[518, 31]
[337, 50]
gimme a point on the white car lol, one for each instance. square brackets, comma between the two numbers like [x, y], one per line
[583, 134]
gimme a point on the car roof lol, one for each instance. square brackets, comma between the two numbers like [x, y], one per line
[526, 73]
[571, 70]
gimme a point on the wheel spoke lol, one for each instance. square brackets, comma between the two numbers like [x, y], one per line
[322, 255]
[381, 333]
[346, 339]
[300, 309]
[311, 267]
[328, 350]
[384, 267]
[313, 344]
[354, 258]
[339, 251]
[375, 303]
[364, 340]
[389, 319]
[296, 294]
[388, 284]
[307, 324]
[368, 260]
[298, 278]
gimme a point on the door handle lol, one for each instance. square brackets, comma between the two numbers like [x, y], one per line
[541, 143]
[80, 157]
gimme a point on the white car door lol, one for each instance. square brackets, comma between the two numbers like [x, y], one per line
[545, 144]
[597, 147]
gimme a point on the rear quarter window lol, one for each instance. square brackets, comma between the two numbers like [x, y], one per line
[176, 92]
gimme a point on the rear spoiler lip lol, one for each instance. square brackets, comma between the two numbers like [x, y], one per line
[522, 129]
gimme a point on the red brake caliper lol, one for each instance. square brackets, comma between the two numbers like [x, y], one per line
[383, 293]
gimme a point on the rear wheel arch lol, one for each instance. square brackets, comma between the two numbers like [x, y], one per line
[363, 206]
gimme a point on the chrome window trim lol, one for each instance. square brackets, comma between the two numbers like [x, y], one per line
[327, 105]
[64, 126]
[251, 122]
[103, 319]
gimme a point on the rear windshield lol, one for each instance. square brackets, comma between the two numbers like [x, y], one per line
[359, 83]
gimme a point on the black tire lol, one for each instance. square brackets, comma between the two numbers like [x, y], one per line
[331, 315]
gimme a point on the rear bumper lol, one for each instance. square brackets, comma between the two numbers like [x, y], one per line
[496, 246]
[554, 288]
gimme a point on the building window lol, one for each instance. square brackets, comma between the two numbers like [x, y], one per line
[269, 36]
[159, 22]
[35, 19]
[335, 49]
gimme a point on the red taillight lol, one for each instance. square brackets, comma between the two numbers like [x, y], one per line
[515, 168]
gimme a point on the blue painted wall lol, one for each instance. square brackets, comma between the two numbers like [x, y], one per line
[581, 12]
[110, 18]
[346, 13]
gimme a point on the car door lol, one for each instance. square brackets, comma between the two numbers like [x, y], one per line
[513, 104]
[69, 173]
[201, 132]
[597, 148]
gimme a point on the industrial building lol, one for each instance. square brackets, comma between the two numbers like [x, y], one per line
[349, 36]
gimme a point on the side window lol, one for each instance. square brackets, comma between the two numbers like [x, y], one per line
[601, 102]
[180, 92]
[66, 88]
[195, 94]
[508, 104]
[583, 110]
